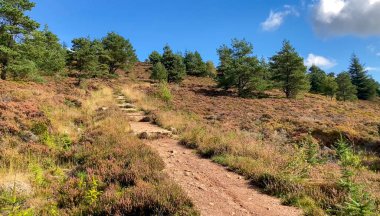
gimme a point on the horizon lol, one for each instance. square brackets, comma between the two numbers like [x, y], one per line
[317, 29]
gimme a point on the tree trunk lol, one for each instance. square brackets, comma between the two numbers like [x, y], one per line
[3, 75]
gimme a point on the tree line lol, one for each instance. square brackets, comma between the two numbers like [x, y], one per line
[173, 67]
[29, 53]
[239, 68]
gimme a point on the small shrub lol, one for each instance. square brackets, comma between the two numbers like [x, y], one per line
[164, 92]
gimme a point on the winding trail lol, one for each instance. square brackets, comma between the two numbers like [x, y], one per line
[213, 189]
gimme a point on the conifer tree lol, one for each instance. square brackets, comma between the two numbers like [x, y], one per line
[289, 71]
[346, 90]
[241, 69]
[329, 86]
[366, 90]
[174, 65]
[194, 64]
[13, 24]
[159, 72]
[119, 52]
[317, 77]
[155, 57]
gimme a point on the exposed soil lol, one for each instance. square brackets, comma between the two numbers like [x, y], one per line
[213, 189]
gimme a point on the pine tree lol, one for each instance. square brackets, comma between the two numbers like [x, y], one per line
[329, 86]
[194, 64]
[155, 57]
[346, 90]
[13, 24]
[210, 68]
[120, 52]
[159, 72]
[317, 77]
[239, 68]
[289, 71]
[174, 65]
[366, 90]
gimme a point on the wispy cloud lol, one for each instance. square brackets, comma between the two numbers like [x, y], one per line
[276, 19]
[372, 69]
[319, 61]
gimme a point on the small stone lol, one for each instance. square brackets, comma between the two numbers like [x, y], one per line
[28, 136]
[211, 204]
[144, 135]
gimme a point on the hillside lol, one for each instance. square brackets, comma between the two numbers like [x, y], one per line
[67, 149]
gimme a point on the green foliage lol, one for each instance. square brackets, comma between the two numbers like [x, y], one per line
[346, 155]
[119, 52]
[174, 65]
[159, 72]
[329, 86]
[194, 64]
[44, 49]
[164, 92]
[346, 90]
[85, 57]
[317, 77]
[358, 201]
[155, 57]
[239, 68]
[289, 71]
[93, 193]
[14, 24]
[210, 69]
[366, 86]
[38, 174]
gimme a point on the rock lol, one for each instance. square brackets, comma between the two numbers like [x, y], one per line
[144, 135]
[146, 119]
[173, 130]
[28, 136]
[18, 183]
[172, 152]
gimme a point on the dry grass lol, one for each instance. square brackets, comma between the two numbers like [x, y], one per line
[80, 159]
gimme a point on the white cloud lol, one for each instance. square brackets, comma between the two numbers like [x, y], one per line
[372, 69]
[319, 61]
[378, 54]
[346, 17]
[275, 19]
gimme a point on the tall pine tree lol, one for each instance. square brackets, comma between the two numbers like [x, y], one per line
[289, 71]
[13, 24]
[366, 90]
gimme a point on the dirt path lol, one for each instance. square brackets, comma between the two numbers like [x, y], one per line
[213, 189]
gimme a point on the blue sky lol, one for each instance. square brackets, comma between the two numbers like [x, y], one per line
[324, 32]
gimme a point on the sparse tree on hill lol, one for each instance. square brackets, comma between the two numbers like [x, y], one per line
[194, 64]
[119, 52]
[289, 71]
[14, 24]
[239, 68]
[174, 65]
[159, 72]
[329, 86]
[317, 77]
[366, 90]
[155, 57]
[346, 90]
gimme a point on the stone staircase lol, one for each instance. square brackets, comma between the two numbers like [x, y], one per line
[139, 121]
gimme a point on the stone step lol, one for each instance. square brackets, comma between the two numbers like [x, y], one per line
[126, 105]
[129, 110]
[145, 130]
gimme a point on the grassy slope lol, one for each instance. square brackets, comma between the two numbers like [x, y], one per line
[61, 155]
